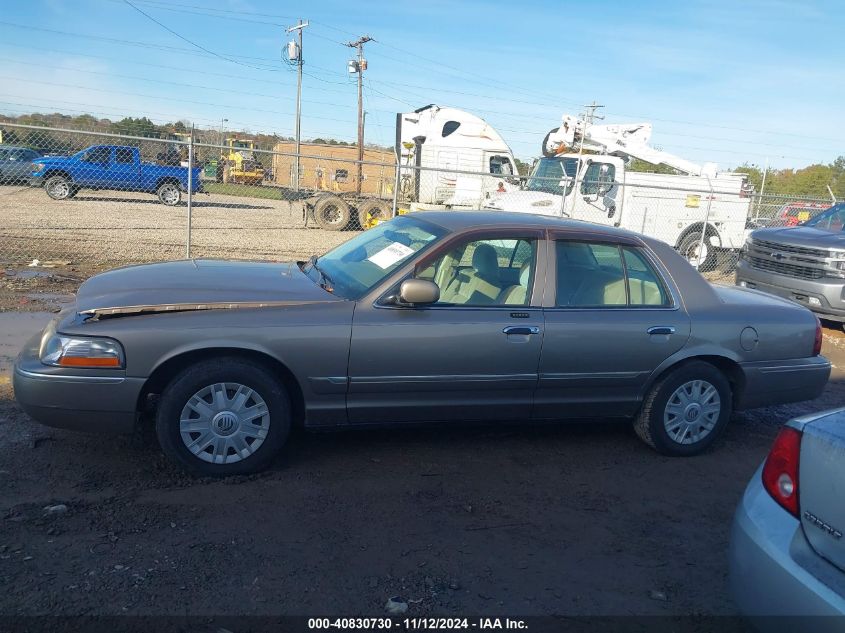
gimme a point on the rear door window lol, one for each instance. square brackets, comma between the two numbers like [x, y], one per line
[598, 275]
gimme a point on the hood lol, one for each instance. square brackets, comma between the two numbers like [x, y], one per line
[526, 201]
[808, 236]
[49, 159]
[196, 285]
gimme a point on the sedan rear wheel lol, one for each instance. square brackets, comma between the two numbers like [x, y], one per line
[686, 410]
[223, 417]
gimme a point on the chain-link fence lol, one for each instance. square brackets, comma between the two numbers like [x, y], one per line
[103, 199]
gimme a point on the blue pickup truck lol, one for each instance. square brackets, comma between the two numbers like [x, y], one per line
[114, 167]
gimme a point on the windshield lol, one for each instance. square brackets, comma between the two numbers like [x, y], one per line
[549, 172]
[355, 267]
[832, 220]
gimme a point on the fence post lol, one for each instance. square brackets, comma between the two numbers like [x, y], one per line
[706, 221]
[190, 192]
[396, 187]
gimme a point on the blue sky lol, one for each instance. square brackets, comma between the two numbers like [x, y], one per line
[721, 81]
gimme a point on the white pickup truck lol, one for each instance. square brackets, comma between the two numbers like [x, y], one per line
[677, 209]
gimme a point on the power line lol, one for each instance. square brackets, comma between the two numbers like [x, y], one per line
[185, 39]
[125, 42]
[163, 82]
[192, 71]
[173, 9]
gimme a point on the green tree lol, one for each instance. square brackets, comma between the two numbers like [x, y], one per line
[522, 168]
[136, 127]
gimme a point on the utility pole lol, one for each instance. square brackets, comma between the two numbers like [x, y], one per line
[589, 116]
[295, 56]
[359, 65]
[762, 186]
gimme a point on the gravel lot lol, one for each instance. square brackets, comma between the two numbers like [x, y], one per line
[574, 520]
[107, 227]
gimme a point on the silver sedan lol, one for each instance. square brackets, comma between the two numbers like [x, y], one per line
[787, 552]
[440, 316]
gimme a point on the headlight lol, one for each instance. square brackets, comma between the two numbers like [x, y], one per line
[84, 352]
[37, 166]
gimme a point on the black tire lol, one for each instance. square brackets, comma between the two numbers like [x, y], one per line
[193, 380]
[332, 213]
[73, 192]
[546, 151]
[377, 209]
[59, 187]
[688, 248]
[169, 194]
[650, 425]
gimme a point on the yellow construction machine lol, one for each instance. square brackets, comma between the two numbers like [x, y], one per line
[238, 163]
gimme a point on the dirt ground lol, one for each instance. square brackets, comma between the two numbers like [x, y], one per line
[575, 520]
[99, 228]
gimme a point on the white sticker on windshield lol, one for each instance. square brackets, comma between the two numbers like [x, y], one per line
[389, 255]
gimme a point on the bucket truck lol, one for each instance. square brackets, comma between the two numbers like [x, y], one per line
[583, 174]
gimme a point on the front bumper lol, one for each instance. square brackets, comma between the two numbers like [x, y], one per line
[75, 399]
[775, 572]
[36, 181]
[828, 295]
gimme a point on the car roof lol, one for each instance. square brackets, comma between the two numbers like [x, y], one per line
[459, 220]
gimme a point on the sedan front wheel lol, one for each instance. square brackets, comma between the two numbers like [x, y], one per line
[686, 410]
[223, 417]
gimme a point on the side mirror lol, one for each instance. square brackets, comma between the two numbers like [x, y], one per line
[419, 292]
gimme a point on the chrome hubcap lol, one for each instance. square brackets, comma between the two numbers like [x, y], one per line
[692, 412]
[170, 195]
[59, 189]
[224, 423]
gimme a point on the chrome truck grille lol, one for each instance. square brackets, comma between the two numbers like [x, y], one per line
[801, 262]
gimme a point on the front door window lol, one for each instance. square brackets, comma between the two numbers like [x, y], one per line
[485, 272]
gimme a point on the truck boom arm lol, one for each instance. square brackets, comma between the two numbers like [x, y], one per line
[625, 139]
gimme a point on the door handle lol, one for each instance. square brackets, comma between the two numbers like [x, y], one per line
[521, 329]
[661, 329]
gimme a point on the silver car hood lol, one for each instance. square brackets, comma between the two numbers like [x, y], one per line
[196, 285]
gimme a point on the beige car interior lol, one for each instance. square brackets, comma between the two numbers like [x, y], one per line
[583, 281]
[483, 282]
